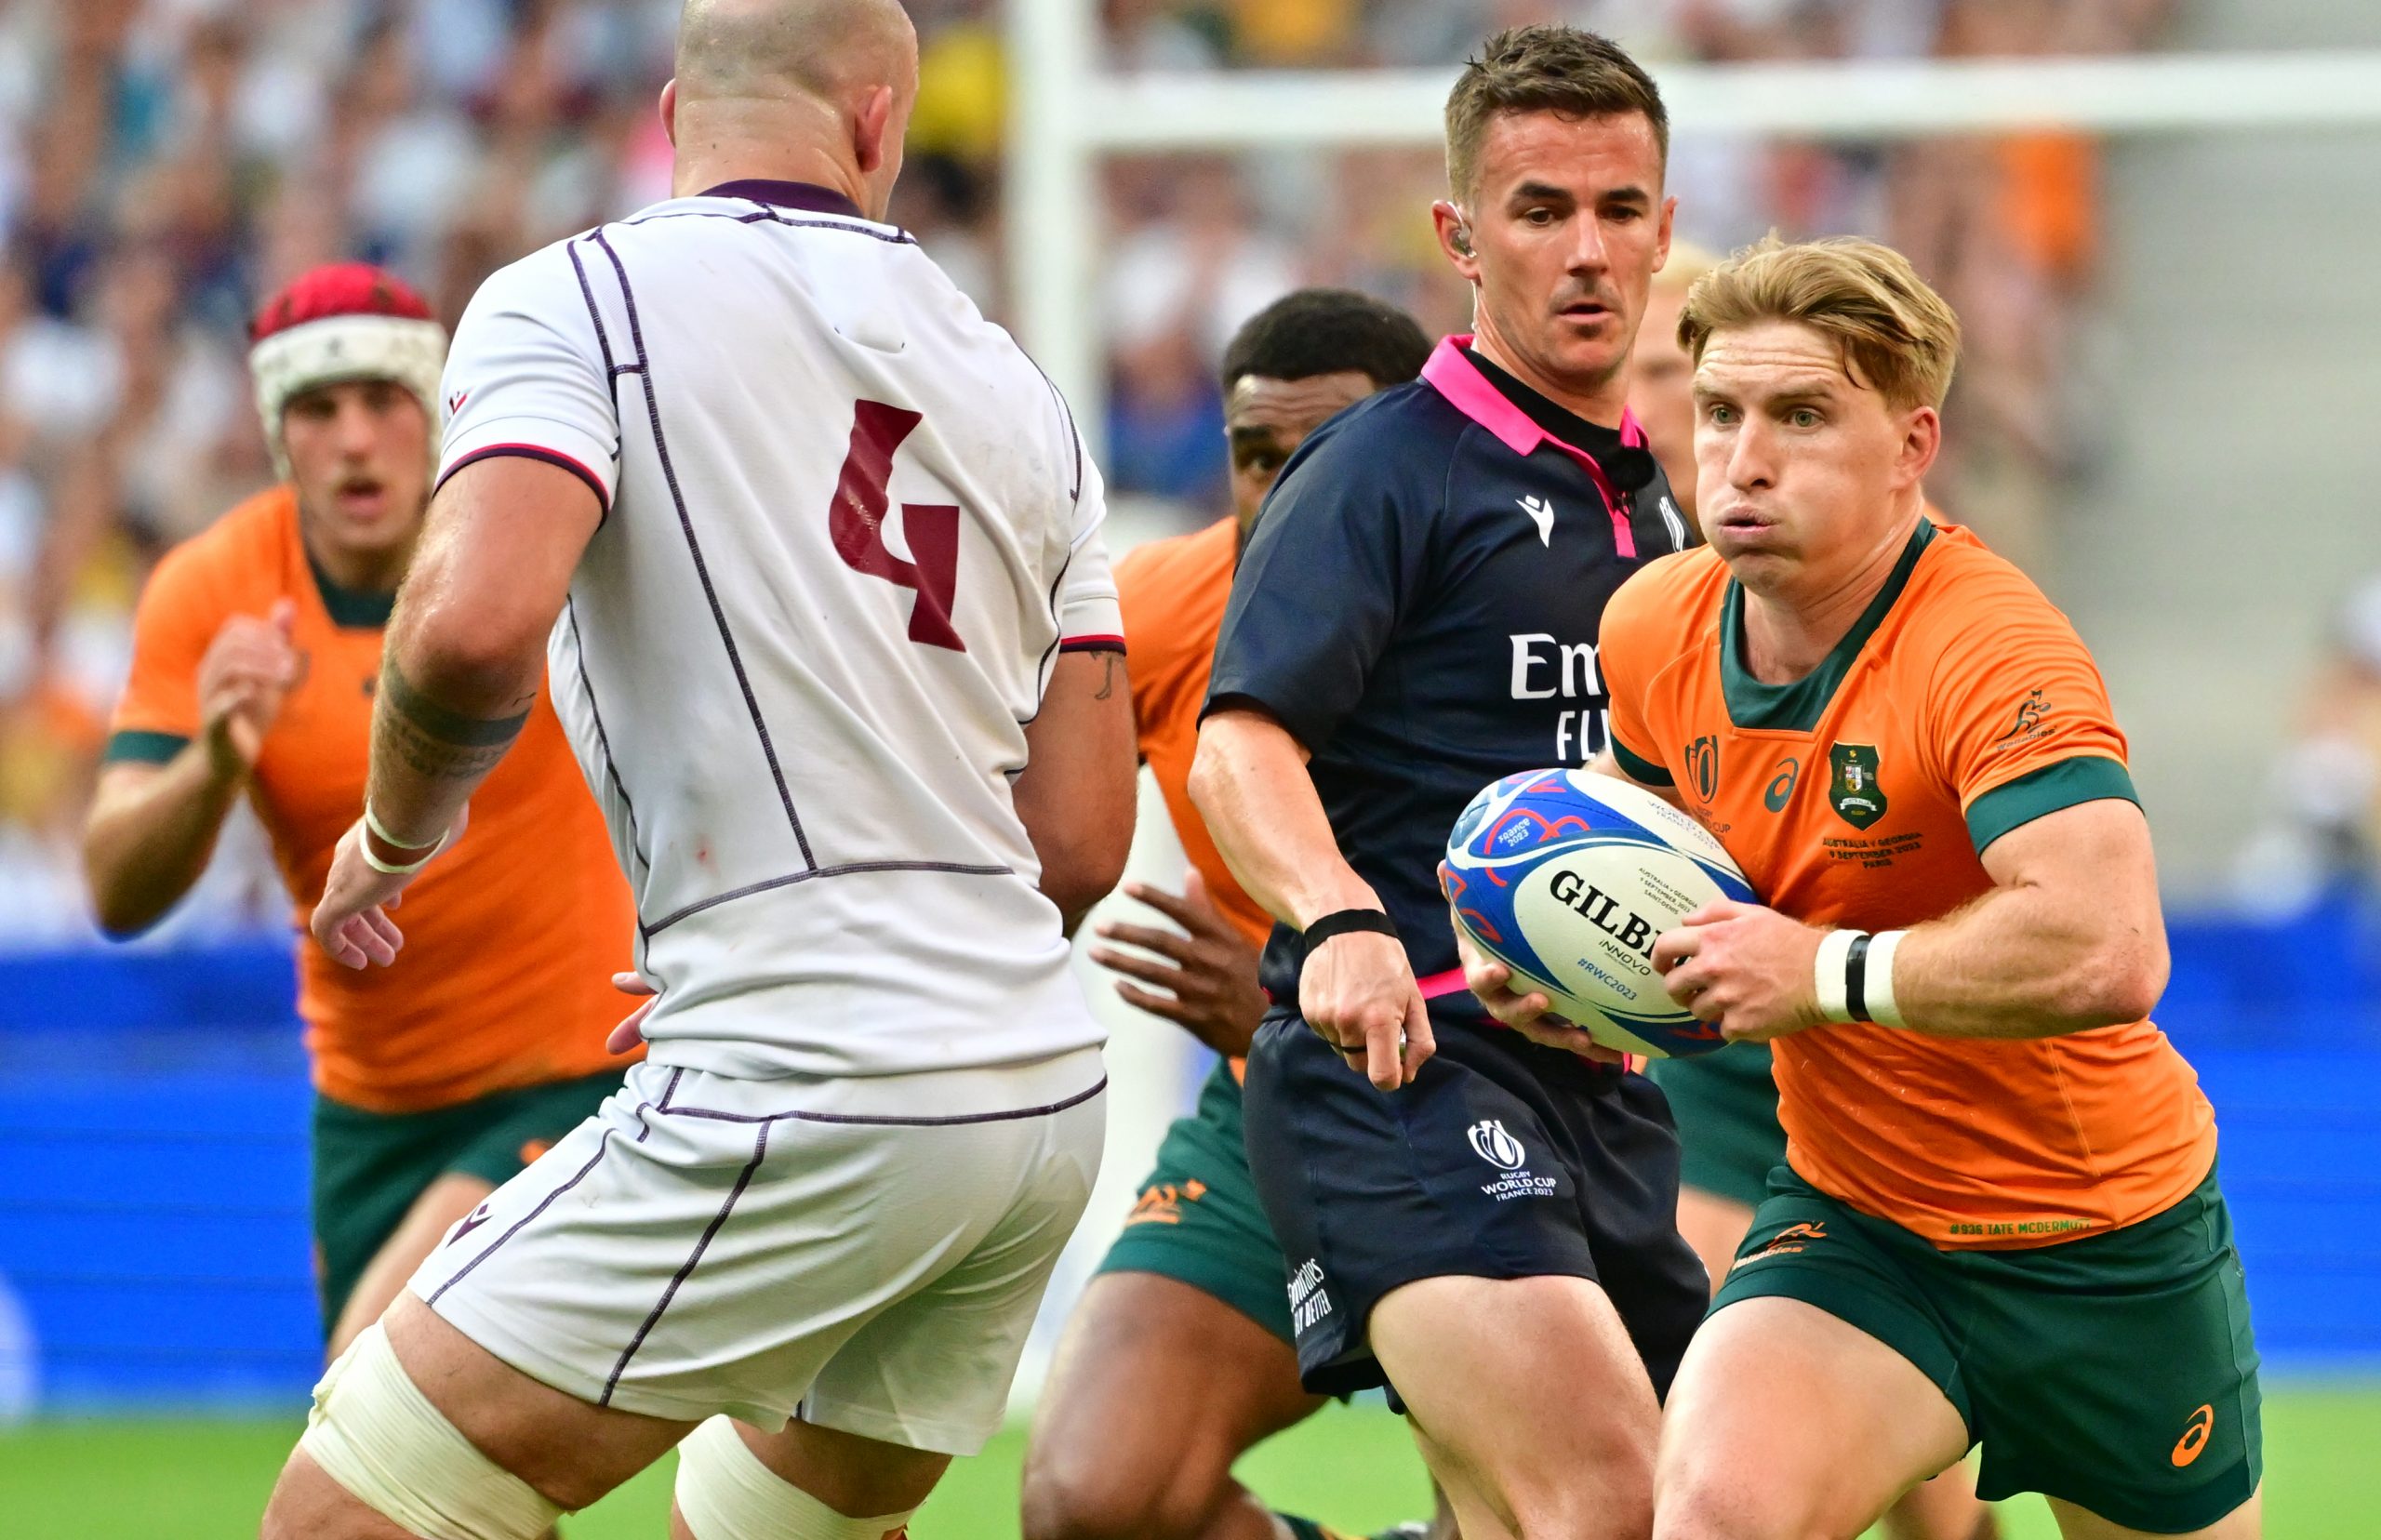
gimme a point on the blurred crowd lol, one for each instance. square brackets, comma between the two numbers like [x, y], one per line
[164, 163]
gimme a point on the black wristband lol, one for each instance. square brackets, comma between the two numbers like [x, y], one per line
[1340, 922]
[1855, 979]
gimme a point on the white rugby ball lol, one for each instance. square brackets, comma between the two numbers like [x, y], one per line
[1567, 877]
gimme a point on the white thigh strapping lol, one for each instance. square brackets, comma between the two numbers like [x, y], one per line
[376, 1434]
[724, 1492]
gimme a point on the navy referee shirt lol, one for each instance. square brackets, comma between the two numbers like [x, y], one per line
[1419, 607]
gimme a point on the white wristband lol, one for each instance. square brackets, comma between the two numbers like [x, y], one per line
[1879, 985]
[374, 827]
[372, 821]
[1829, 975]
[387, 869]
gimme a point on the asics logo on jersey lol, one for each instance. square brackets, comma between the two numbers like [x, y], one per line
[2195, 1435]
[1781, 784]
[1541, 513]
[856, 521]
[1492, 1144]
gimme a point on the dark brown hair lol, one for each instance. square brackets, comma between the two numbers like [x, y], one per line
[1545, 69]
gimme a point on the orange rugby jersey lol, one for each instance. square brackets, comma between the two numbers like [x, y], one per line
[1172, 594]
[1960, 705]
[510, 937]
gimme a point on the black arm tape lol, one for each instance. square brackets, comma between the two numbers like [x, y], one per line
[1341, 921]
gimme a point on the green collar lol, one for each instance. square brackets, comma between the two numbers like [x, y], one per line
[1796, 708]
[351, 609]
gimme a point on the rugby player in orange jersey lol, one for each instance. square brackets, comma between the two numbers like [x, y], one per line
[1725, 1103]
[1179, 1358]
[256, 651]
[2001, 1225]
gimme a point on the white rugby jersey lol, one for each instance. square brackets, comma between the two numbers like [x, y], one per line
[850, 528]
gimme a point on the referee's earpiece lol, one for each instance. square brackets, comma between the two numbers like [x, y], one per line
[1461, 239]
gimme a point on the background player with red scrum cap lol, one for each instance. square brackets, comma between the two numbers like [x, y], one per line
[256, 652]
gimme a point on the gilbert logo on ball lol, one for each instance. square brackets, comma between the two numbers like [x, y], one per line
[1568, 879]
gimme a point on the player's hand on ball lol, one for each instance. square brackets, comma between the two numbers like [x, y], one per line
[1531, 1015]
[1357, 991]
[352, 920]
[1747, 968]
[1209, 973]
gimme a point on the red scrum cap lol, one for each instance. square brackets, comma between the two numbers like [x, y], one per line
[343, 321]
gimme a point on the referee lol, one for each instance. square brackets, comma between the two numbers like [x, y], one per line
[1414, 617]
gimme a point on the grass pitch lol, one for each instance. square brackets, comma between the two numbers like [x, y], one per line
[1350, 1467]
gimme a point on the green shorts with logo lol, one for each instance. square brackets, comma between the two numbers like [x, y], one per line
[1725, 1104]
[369, 1168]
[2118, 1372]
[1197, 1220]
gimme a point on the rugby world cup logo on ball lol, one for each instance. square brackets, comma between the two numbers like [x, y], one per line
[1567, 878]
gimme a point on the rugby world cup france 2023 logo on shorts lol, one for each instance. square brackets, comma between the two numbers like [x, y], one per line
[1566, 877]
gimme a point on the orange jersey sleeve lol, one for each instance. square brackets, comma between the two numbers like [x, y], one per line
[2024, 728]
[1173, 594]
[1638, 641]
[198, 586]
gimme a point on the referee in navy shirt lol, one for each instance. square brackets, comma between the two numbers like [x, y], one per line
[1484, 1224]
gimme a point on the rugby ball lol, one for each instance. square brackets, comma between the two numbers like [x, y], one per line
[1567, 877]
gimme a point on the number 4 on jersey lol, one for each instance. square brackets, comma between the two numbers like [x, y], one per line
[857, 522]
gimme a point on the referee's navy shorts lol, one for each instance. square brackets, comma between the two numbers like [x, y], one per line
[1502, 1160]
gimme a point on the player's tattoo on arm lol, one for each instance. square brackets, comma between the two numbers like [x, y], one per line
[1108, 661]
[438, 742]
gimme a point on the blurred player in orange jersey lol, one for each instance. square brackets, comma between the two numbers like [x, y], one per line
[256, 652]
[1725, 1103]
[1178, 1359]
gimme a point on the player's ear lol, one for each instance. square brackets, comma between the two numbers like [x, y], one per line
[872, 130]
[1662, 244]
[670, 112]
[1921, 442]
[1456, 239]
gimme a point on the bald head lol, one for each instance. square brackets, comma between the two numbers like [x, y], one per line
[770, 49]
[797, 90]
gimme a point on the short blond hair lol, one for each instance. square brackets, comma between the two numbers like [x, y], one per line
[1896, 336]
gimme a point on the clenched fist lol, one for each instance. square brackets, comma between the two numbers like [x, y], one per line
[249, 667]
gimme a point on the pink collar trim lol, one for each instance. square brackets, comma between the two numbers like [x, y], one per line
[1468, 391]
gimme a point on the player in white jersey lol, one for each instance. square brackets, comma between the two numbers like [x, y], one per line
[834, 638]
